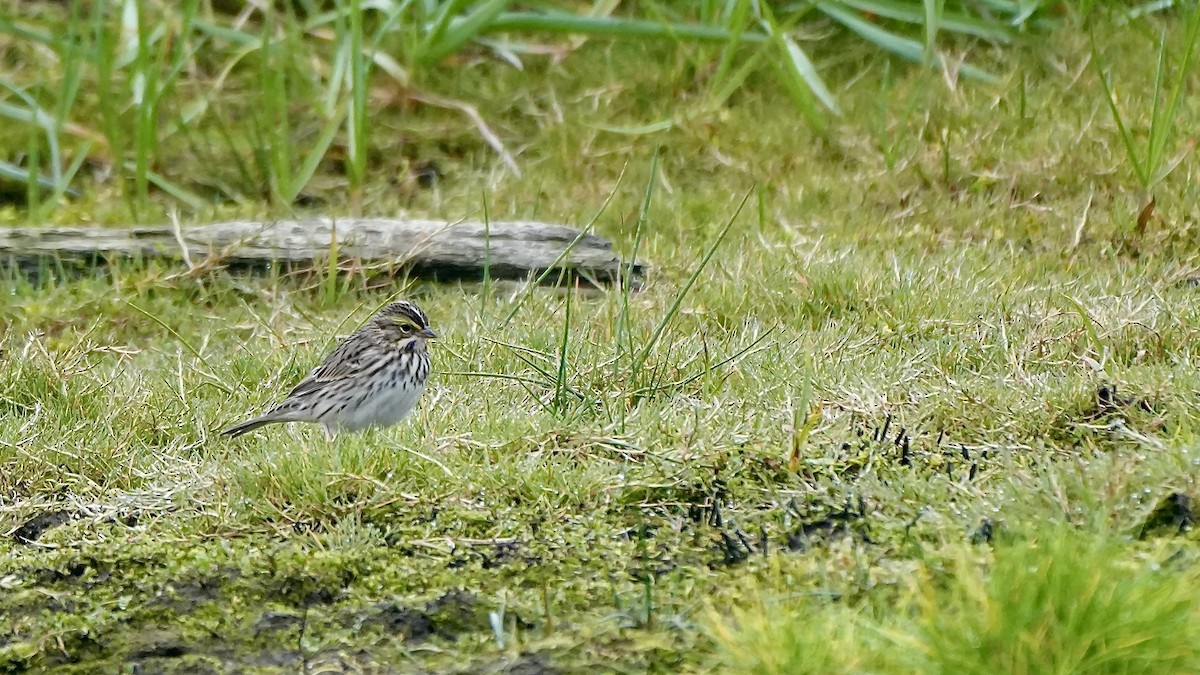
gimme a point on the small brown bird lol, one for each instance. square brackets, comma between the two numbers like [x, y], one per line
[373, 378]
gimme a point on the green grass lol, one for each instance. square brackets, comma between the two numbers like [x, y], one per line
[953, 276]
[1057, 602]
[269, 102]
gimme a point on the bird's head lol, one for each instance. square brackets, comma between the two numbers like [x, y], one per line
[404, 323]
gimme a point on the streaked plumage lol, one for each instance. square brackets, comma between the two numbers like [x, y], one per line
[373, 378]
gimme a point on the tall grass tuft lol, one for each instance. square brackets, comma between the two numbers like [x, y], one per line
[1153, 158]
[785, 635]
[1062, 604]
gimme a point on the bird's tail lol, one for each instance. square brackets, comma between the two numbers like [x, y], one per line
[248, 426]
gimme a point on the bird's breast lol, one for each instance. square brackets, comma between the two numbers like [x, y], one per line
[386, 407]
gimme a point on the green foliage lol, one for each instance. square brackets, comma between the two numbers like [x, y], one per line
[1153, 158]
[1060, 602]
[798, 633]
[134, 86]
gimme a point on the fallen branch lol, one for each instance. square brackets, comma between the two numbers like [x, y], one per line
[424, 248]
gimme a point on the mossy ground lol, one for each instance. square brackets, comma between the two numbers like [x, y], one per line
[1003, 357]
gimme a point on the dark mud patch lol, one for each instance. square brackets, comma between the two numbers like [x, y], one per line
[192, 664]
[407, 622]
[444, 617]
[32, 529]
[184, 596]
[532, 664]
[85, 572]
[272, 621]
[290, 582]
[158, 643]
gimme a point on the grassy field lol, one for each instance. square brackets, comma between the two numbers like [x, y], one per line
[930, 406]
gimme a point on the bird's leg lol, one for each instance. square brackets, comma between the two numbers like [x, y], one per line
[329, 431]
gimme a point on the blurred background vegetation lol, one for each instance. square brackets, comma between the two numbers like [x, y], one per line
[201, 104]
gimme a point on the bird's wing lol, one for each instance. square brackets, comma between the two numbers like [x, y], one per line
[345, 362]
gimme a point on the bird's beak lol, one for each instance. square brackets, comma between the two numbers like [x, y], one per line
[427, 333]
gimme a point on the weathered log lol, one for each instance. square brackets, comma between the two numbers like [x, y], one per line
[425, 248]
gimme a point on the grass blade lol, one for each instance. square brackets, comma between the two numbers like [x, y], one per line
[186, 344]
[655, 336]
[312, 160]
[572, 24]
[461, 30]
[583, 232]
[905, 48]
[1126, 137]
[15, 173]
